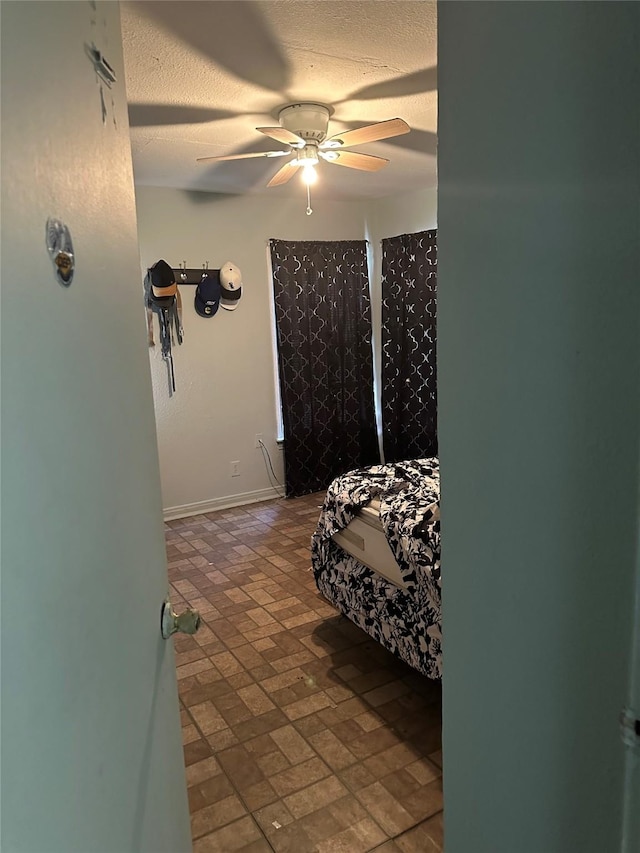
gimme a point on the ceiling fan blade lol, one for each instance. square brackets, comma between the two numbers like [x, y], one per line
[282, 135]
[243, 156]
[284, 174]
[366, 162]
[423, 141]
[368, 133]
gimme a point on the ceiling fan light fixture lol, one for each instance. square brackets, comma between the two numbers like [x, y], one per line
[308, 156]
[309, 174]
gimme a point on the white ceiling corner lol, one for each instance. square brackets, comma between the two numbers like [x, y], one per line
[201, 75]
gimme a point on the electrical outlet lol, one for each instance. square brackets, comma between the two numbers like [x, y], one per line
[234, 468]
[258, 439]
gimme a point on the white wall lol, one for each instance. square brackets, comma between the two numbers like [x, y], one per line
[224, 370]
[389, 217]
[538, 362]
[402, 214]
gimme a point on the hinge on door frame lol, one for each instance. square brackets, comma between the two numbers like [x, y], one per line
[630, 728]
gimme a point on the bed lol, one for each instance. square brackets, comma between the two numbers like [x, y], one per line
[375, 556]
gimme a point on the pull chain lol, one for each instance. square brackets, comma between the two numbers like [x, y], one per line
[309, 211]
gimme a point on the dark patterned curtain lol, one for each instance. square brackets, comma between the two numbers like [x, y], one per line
[409, 388]
[323, 322]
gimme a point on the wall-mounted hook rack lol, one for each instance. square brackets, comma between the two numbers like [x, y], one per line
[190, 275]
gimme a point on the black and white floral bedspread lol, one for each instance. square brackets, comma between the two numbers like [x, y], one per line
[405, 621]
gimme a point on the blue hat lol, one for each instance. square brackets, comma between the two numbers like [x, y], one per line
[207, 298]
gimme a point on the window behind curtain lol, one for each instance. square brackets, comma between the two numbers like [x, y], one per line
[409, 380]
[323, 327]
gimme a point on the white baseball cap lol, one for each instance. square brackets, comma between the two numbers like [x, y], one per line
[230, 286]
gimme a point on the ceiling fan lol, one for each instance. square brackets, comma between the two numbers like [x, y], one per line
[303, 127]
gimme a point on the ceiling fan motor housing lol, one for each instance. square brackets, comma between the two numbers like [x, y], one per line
[308, 121]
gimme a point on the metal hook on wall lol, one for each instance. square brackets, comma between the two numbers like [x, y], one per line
[186, 275]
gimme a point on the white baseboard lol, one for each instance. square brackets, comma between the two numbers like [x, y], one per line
[170, 513]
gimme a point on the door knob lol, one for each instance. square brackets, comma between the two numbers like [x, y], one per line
[171, 622]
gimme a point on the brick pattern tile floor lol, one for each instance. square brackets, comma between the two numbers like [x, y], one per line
[301, 735]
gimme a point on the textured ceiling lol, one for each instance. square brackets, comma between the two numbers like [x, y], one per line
[202, 75]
